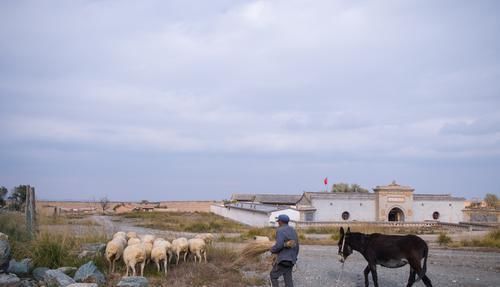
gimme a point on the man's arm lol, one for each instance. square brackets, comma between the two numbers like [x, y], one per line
[280, 241]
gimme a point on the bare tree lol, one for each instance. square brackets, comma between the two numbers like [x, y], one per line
[491, 200]
[104, 202]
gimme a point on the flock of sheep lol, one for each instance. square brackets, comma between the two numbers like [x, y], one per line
[140, 250]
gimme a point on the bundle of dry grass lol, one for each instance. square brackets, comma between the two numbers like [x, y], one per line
[251, 251]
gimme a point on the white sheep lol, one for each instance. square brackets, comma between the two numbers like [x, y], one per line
[180, 245]
[148, 238]
[160, 253]
[133, 241]
[131, 234]
[158, 239]
[114, 251]
[198, 247]
[149, 248]
[261, 239]
[120, 234]
[208, 237]
[133, 255]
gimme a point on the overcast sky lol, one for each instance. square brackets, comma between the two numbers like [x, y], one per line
[173, 100]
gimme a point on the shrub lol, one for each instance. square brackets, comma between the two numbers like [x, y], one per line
[50, 251]
[444, 239]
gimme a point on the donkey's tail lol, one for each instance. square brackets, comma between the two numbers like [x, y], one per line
[424, 267]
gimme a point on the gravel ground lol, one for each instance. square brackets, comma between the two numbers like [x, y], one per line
[319, 266]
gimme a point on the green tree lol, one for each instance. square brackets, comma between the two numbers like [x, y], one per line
[345, 187]
[3, 193]
[18, 196]
[491, 200]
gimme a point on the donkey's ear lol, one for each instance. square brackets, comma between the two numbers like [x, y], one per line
[348, 230]
[341, 230]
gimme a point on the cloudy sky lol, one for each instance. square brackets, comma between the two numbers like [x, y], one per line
[173, 100]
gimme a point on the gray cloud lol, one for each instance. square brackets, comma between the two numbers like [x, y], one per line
[209, 85]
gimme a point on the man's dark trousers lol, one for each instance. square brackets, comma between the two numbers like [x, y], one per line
[282, 269]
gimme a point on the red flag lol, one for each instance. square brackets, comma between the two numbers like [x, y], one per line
[326, 180]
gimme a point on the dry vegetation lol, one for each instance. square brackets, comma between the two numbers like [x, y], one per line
[59, 247]
[183, 221]
[49, 249]
[491, 240]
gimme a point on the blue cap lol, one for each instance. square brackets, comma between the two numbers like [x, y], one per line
[283, 218]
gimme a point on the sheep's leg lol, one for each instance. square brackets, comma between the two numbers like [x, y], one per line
[127, 267]
[143, 263]
[205, 255]
[185, 256]
[165, 267]
[157, 265]
[178, 256]
[134, 270]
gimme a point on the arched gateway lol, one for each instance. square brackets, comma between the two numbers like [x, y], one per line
[396, 214]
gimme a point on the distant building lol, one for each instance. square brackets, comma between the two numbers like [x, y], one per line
[391, 202]
[254, 214]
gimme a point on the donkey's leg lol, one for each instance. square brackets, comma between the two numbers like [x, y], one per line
[427, 281]
[373, 268]
[366, 272]
[411, 279]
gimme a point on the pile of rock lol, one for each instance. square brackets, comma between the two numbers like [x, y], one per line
[21, 273]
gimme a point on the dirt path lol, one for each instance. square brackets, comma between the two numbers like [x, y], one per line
[319, 266]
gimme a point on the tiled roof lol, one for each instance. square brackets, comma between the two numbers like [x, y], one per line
[282, 199]
[262, 208]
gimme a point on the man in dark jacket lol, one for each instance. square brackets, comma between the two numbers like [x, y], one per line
[286, 249]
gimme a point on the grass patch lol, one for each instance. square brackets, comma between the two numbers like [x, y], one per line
[443, 239]
[184, 221]
[490, 240]
[47, 249]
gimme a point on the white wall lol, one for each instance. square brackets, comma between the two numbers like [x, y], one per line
[292, 213]
[359, 209]
[447, 213]
[252, 218]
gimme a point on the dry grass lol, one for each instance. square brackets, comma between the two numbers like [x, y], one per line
[59, 248]
[218, 271]
[49, 248]
[183, 221]
[251, 252]
[491, 240]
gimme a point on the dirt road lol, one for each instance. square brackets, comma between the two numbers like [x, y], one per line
[319, 266]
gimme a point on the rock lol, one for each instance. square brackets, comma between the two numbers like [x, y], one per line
[91, 250]
[56, 278]
[39, 273]
[22, 267]
[4, 236]
[28, 283]
[88, 273]
[5, 254]
[85, 253]
[9, 280]
[67, 270]
[133, 281]
[83, 285]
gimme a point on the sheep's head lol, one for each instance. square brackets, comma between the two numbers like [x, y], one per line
[345, 248]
